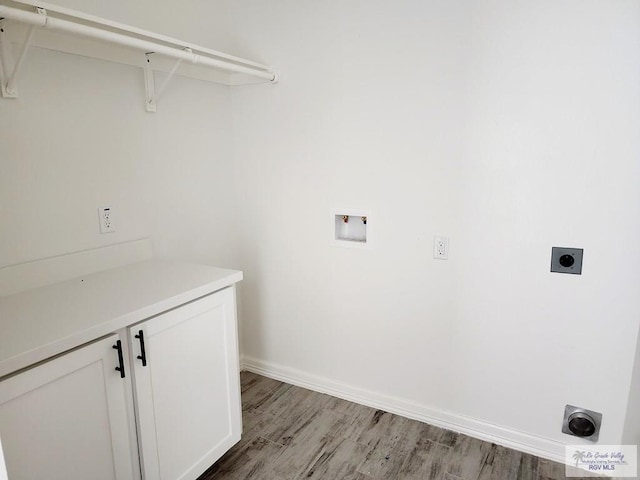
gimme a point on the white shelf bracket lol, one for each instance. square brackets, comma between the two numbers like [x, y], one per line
[8, 68]
[153, 95]
[149, 85]
[6, 61]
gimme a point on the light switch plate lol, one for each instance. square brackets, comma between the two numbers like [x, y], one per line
[566, 260]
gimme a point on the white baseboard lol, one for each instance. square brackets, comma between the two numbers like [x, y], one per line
[524, 442]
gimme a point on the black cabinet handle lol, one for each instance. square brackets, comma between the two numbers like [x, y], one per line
[143, 353]
[118, 346]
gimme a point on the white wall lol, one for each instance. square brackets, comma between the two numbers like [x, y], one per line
[78, 137]
[509, 126]
[553, 160]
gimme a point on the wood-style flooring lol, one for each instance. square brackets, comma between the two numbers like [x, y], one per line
[293, 433]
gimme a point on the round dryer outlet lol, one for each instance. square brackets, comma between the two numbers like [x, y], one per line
[582, 423]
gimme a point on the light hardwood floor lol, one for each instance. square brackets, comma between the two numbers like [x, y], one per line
[293, 433]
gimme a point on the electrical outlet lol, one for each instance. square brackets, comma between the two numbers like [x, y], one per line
[441, 248]
[105, 214]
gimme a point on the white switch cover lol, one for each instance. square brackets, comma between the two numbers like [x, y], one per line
[441, 248]
[106, 220]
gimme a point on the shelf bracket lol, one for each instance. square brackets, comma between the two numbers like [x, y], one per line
[6, 61]
[153, 95]
[149, 86]
[8, 68]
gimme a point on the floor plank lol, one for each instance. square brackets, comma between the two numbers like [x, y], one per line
[501, 463]
[245, 460]
[336, 461]
[256, 389]
[291, 433]
[427, 461]
[468, 457]
[528, 469]
[308, 445]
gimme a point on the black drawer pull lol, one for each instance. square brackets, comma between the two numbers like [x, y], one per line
[143, 353]
[118, 346]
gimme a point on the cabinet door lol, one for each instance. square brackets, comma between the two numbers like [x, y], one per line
[67, 419]
[3, 470]
[188, 394]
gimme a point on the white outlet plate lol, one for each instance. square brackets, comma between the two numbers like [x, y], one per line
[105, 215]
[441, 247]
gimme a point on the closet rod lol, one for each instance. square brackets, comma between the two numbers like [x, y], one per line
[45, 21]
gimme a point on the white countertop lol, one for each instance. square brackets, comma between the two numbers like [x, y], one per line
[43, 322]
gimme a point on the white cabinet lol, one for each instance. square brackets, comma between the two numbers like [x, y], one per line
[66, 412]
[186, 384]
[67, 418]
[3, 469]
